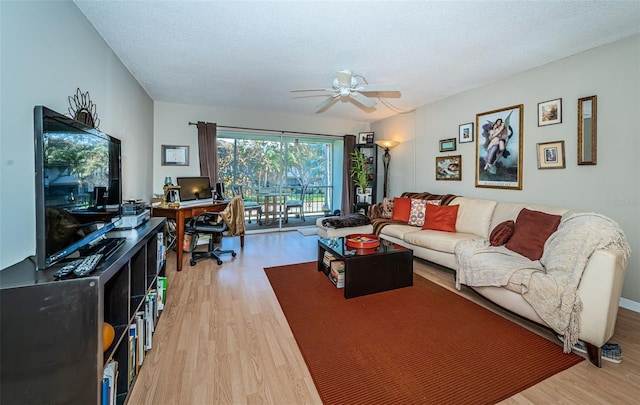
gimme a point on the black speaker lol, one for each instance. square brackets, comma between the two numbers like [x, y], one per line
[219, 191]
[99, 197]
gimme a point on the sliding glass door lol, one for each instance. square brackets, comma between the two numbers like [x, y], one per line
[288, 180]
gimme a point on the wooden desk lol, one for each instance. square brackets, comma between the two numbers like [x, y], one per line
[180, 215]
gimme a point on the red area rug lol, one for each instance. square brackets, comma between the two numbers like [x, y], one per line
[420, 344]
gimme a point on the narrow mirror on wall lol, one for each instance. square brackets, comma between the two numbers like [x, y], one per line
[587, 131]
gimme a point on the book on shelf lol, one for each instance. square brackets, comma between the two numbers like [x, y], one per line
[336, 274]
[110, 373]
[162, 292]
[150, 314]
[140, 347]
[133, 349]
[105, 392]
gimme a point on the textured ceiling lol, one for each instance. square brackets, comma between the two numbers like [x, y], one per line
[247, 54]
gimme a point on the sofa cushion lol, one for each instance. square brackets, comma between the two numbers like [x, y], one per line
[532, 229]
[474, 215]
[398, 231]
[437, 240]
[502, 233]
[441, 218]
[417, 215]
[401, 209]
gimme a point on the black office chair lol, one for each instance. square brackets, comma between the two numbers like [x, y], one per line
[212, 224]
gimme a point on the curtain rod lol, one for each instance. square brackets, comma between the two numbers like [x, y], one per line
[271, 130]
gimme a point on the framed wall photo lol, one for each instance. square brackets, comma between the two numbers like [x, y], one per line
[550, 112]
[447, 145]
[499, 148]
[175, 155]
[551, 155]
[449, 167]
[465, 133]
[365, 137]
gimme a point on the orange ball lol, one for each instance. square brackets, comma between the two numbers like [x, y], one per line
[108, 334]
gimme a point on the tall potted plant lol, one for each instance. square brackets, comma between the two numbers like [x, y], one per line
[359, 171]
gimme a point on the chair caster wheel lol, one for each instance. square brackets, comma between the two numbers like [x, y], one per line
[192, 262]
[234, 254]
[219, 262]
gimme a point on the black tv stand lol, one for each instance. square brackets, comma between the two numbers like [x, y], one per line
[51, 339]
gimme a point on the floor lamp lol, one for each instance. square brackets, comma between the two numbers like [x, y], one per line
[386, 144]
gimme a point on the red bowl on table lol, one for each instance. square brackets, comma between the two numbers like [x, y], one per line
[362, 241]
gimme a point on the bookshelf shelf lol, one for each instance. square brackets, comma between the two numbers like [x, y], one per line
[51, 340]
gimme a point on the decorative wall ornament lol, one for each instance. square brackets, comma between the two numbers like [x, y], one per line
[82, 109]
[449, 167]
[499, 148]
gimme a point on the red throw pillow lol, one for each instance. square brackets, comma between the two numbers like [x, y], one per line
[441, 217]
[531, 231]
[502, 233]
[401, 209]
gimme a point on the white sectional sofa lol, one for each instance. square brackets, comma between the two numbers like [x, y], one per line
[599, 288]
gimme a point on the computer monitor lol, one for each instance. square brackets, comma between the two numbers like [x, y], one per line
[194, 188]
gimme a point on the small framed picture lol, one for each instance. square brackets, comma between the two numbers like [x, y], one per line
[449, 167]
[465, 133]
[365, 137]
[550, 112]
[175, 155]
[447, 145]
[551, 155]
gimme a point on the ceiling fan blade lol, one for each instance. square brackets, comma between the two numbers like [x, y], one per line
[364, 100]
[326, 103]
[378, 88]
[301, 90]
[344, 78]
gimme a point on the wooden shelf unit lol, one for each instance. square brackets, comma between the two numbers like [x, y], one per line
[51, 339]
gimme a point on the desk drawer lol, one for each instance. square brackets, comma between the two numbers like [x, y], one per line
[195, 211]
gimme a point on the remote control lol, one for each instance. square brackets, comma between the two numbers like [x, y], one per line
[68, 268]
[88, 264]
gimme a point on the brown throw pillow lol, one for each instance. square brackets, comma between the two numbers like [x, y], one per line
[531, 231]
[501, 233]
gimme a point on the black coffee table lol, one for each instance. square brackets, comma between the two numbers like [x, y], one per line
[368, 271]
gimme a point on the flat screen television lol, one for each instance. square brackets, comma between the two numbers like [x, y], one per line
[78, 176]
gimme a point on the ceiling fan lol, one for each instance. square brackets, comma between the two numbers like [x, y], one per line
[346, 86]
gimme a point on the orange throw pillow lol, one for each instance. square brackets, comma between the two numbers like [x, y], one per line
[441, 217]
[401, 209]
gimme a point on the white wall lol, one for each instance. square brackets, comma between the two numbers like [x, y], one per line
[171, 128]
[48, 50]
[612, 187]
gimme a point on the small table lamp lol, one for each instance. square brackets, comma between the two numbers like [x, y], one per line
[386, 144]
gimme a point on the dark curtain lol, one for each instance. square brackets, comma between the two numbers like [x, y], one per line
[208, 151]
[347, 183]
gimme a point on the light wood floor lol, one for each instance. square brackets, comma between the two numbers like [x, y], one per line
[223, 339]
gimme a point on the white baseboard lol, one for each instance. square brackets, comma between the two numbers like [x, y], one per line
[630, 305]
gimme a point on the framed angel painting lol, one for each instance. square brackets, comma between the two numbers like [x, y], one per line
[499, 148]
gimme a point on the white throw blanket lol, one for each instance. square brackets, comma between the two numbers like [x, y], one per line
[550, 284]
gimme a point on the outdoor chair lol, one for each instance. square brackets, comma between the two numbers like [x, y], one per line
[249, 206]
[299, 204]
